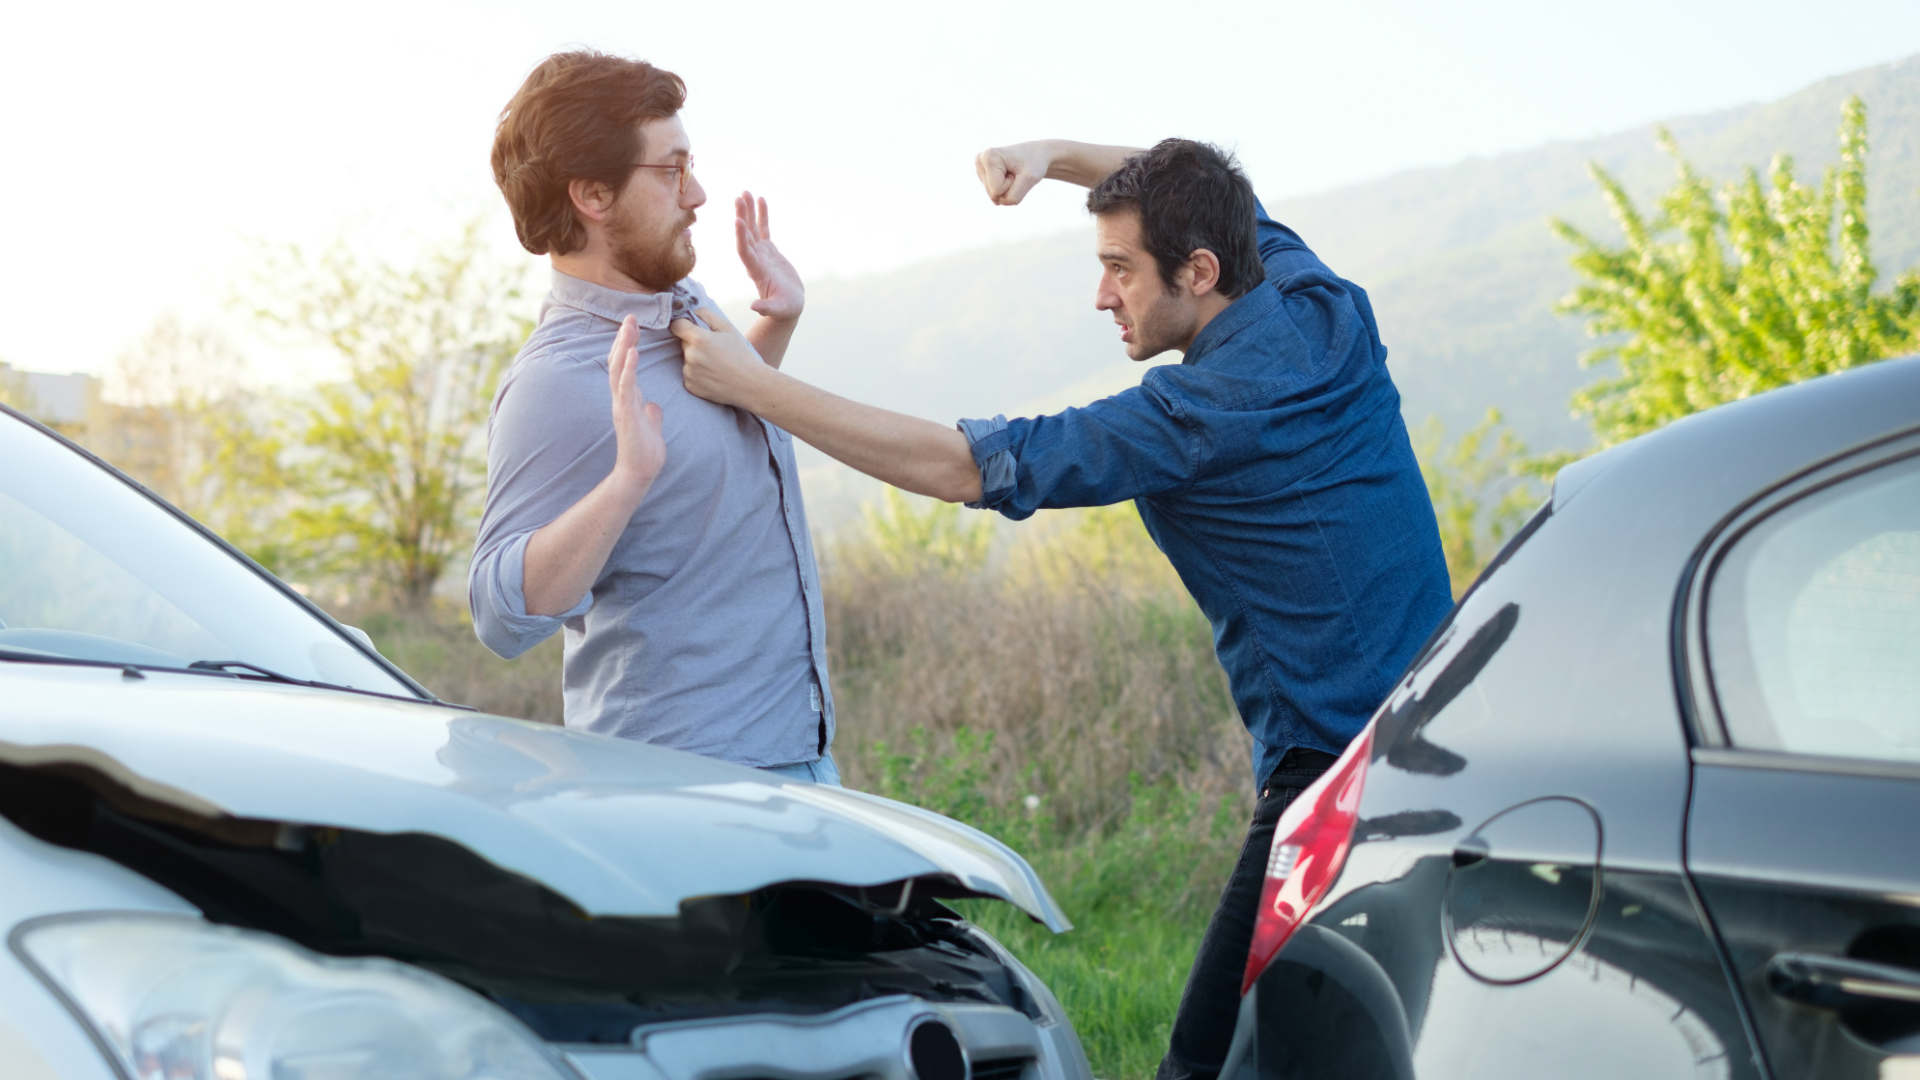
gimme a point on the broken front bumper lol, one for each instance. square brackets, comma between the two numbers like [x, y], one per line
[893, 1038]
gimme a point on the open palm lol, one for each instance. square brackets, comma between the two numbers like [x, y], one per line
[782, 296]
[640, 447]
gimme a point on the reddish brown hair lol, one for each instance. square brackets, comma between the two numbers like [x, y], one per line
[574, 119]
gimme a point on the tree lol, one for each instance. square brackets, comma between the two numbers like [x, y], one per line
[388, 460]
[1719, 297]
[255, 495]
[1480, 488]
[165, 404]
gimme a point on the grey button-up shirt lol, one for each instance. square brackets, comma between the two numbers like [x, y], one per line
[705, 631]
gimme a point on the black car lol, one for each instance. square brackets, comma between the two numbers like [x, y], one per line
[1648, 803]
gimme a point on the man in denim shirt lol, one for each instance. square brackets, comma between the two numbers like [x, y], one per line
[1271, 466]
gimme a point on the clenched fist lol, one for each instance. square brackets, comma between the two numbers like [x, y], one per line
[1009, 172]
[720, 365]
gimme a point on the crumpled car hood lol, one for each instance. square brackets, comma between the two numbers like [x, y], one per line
[617, 827]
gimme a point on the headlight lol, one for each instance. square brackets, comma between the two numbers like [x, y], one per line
[177, 998]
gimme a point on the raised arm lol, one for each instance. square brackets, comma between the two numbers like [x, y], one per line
[564, 558]
[1009, 172]
[782, 295]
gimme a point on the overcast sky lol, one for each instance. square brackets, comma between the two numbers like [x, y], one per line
[153, 147]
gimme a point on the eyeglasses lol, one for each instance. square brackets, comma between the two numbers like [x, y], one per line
[684, 169]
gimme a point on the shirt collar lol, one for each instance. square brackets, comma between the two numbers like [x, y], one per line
[653, 311]
[1258, 302]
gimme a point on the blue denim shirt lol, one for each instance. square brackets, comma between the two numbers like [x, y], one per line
[1273, 469]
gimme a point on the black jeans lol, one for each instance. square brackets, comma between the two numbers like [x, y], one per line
[1210, 1005]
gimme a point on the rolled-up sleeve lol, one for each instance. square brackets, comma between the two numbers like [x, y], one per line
[1137, 442]
[988, 441]
[550, 441]
[496, 595]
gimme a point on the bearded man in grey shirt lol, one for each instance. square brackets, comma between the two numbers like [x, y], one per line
[664, 533]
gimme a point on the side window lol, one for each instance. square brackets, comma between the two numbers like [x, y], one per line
[1813, 622]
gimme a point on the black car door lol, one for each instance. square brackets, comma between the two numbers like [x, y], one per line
[1799, 643]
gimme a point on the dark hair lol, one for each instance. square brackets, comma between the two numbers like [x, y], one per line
[1190, 195]
[574, 119]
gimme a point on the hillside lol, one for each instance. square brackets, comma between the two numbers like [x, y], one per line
[1459, 261]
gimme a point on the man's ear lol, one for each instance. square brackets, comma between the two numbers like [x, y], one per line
[591, 199]
[1202, 272]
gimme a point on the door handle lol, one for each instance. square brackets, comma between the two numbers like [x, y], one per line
[1834, 982]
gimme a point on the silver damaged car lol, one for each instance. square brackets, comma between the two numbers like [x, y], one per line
[237, 844]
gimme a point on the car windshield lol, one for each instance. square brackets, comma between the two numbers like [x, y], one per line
[92, 570]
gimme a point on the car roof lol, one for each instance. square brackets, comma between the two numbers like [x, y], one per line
[1718, 458]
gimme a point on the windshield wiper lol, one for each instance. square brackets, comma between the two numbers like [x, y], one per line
[225, 667]
[234, 667]
[244, 668]
[35, 656]
[237, 668]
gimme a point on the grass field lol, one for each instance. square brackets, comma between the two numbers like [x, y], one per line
[1060, 693]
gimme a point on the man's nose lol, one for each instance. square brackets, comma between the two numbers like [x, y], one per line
[695, 196]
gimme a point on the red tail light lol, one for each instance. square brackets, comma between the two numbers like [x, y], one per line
[1310, 845]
